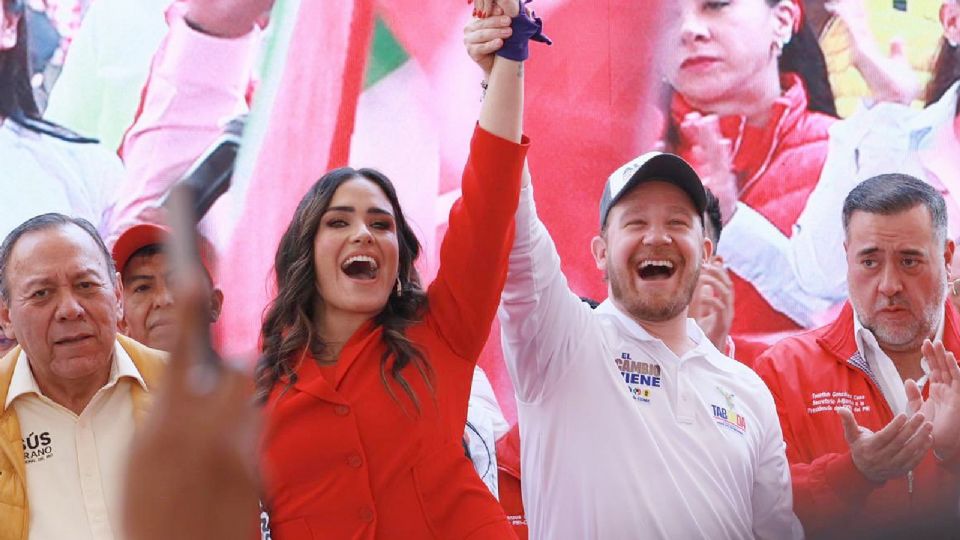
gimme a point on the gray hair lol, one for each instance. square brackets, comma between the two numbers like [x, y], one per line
[889, 194]
[43, 222]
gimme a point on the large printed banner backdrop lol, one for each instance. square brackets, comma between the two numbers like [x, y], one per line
[388, 84]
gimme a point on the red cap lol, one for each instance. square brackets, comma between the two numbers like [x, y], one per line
[135, 238]
[145, 234]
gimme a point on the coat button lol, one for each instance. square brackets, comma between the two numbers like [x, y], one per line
[355, 461]
[366, 514]
[341, 410]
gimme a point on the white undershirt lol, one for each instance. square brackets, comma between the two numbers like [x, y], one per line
[884, 370]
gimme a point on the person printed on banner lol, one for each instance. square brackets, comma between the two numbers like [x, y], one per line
[876, 50]
[368, 372]
[870, 408]
[140, 256]
[690, 439]
[73, 390]
[887, 138]
[751, 114]
[98, 89]
[198, 84]
[46, 168]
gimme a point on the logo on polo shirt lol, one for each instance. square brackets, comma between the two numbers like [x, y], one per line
[727, 416]
[641, 377]
[37, 447]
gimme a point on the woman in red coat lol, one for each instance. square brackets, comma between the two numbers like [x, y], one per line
[365, 376]
[750, 106]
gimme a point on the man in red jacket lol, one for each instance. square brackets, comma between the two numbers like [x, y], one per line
[864, 462]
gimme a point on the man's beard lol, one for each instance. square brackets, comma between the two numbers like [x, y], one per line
[649, 309]
[910, 334]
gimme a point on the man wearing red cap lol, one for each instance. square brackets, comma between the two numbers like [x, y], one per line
[141, 260]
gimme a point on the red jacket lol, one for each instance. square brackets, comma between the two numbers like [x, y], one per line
[832, 498]
[346, 460]
[778, 166]
[508, 481]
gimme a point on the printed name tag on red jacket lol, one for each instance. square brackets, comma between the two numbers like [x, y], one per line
[829, 402]
[643, 379]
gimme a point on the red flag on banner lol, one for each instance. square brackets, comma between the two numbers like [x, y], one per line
[299, 128]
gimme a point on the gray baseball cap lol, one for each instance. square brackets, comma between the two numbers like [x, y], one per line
[660, 166]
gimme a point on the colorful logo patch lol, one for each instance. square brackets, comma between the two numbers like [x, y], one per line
[727, 416]
[640, 377]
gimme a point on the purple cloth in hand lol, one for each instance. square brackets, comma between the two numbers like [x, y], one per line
[525, 28]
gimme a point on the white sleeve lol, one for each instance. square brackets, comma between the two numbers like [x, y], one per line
[802, 275]
[99, 173]
[540, 317]
[805, 274]
[485, 424]
[197, 85]
[790, 273]
[112, 177]
[483, 400]
[773, 516]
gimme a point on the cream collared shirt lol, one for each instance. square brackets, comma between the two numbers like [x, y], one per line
[883, 369]
[75, 463]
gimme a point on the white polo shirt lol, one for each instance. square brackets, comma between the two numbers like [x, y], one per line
[75, 464]
[619, 437]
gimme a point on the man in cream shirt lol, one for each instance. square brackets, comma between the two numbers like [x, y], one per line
[72, 390]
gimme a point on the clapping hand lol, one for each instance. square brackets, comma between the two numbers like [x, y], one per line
[942, 406]
[711, 156]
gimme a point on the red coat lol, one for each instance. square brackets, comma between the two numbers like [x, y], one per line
[778, 166]
[831, 497]
[345, 460]
[508, 481]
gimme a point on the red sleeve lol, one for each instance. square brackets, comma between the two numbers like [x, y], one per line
[744, 350]
[463, 299]
[827, 488]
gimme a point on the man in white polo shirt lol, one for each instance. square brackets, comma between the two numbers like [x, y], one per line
[72, 388]
[633, 424]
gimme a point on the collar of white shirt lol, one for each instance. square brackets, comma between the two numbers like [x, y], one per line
[882, 368]
[703, 347]
[23, 382]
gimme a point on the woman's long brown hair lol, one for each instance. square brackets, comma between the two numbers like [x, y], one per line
[16, 94]
[288, 326]
[946, 71]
